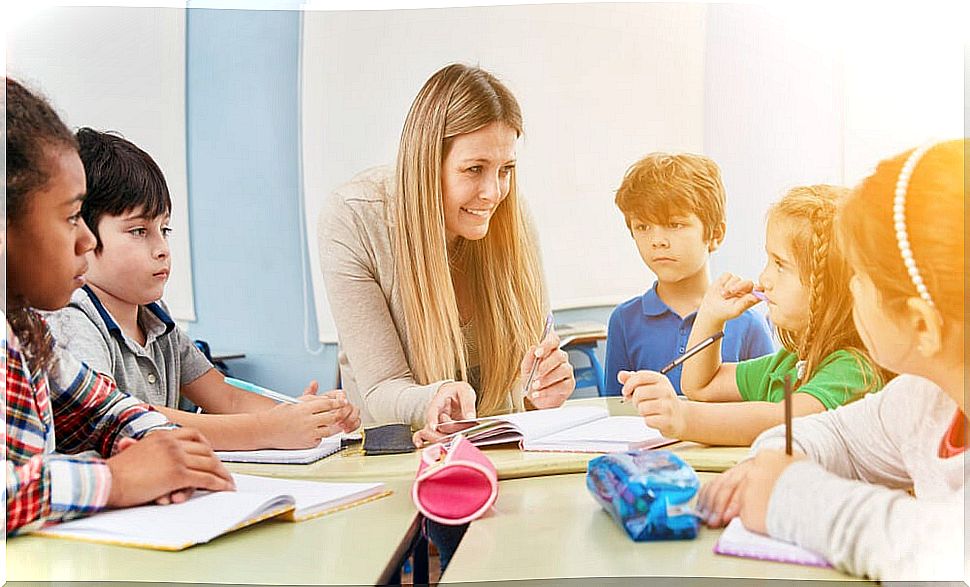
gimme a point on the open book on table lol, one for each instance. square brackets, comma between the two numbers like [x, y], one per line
[566, 429]
[210, 514]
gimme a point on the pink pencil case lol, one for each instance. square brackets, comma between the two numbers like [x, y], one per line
[456, 483]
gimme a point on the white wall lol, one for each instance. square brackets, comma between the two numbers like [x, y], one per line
[599, 86]
[798, 94]
[119, 69]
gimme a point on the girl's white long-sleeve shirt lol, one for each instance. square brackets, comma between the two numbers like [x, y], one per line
[850, 501]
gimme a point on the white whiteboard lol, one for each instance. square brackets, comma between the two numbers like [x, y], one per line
[599, 86]
[121, 69]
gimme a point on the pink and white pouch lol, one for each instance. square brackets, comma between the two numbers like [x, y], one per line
[456, 483]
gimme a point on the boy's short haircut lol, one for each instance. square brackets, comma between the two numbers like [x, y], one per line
[120, 178]
[664, 185]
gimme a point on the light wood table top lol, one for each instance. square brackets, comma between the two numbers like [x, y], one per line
[360, 545]
[511, 463]
[551, 527]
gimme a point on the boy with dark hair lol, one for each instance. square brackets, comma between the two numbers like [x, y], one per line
[118, 324]
[674, 208]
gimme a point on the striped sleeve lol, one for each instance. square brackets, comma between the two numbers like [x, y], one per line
[53, 488]
[90, 413]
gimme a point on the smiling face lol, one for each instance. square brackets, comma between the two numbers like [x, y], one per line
[674, 250]
[46, 247]
[476, 176]
[134, 262]
[788, 298]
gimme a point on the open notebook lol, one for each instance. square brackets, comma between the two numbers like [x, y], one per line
[210, 514]
[303, 456]
[568, 429]
[736, 540]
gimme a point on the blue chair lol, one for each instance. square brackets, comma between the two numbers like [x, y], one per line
[584, 337]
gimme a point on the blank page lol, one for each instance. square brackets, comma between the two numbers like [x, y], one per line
[615, 433]
[310, 496]
[736, 540]
[172, 527]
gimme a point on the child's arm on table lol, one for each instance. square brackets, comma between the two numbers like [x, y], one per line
[727, 423]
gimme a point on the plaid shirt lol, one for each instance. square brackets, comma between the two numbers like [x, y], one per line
[88, 413]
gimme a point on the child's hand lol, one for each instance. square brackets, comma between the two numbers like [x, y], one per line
[656, 401]
[720, 500]
[165, 466]
[766, 467]
[744, 491]
[554, 381]
[174, 497]
[452, 401]
[728, 297]
[352, 421]
[304, 424]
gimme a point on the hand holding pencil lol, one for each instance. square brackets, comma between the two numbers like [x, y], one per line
[655, 400]
[546, 374]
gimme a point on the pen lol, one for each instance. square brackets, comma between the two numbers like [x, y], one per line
[535, 363]
[247, 386]
[788, 415]
[692, 351]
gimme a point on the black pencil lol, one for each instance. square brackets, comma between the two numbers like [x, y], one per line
[788, 415]
[692, 351]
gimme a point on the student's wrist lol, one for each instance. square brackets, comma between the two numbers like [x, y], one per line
[707, 324]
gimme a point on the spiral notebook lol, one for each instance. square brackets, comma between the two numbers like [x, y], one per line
[736, 540]
[301, 456]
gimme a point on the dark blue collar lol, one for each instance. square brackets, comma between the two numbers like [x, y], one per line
[652, 304]
[154, 307]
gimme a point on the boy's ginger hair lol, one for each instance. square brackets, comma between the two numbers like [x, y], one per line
[662, 185]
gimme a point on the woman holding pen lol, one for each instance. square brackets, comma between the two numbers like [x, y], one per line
[432, 269]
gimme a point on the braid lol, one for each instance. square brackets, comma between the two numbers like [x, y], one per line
[824, 271]
[821, 225]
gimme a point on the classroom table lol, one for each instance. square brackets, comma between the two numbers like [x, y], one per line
[510, 462]
[360, 545]
[551, 527]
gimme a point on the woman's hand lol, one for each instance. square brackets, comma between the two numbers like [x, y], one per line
[728, 297]
[554, 381]
[655, 400]
[453, 401]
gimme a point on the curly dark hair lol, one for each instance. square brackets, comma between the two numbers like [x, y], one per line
[33, 130]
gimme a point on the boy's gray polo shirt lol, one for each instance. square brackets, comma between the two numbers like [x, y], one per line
[153, 373]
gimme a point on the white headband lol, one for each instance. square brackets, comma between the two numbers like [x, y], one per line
[899, 220]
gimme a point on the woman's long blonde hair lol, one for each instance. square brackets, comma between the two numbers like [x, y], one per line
[502, 269]
[811, 211]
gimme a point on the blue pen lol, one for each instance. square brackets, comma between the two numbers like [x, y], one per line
[247, 386]
[535, 363]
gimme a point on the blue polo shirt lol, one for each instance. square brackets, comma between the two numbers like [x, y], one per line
[644, 333]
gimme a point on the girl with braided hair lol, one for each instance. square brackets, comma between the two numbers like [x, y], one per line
[806, 286]
[877, 487]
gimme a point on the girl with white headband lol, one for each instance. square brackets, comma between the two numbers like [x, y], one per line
[877, 487]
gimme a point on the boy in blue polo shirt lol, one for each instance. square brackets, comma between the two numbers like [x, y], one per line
[118, 324]
[674, 208]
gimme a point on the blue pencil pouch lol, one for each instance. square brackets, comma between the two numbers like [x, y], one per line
[647, 493]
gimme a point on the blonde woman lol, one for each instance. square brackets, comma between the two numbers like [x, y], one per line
[432, 269]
